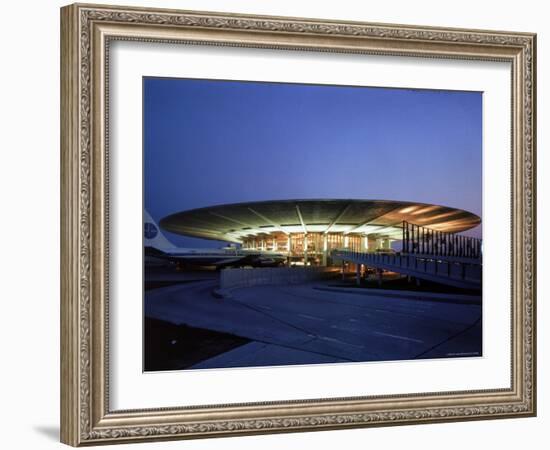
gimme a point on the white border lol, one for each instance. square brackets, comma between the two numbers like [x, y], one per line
[131, 389]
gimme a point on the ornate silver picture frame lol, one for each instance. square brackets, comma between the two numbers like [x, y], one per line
[87, 34]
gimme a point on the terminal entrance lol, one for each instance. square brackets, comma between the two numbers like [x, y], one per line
[314, 249]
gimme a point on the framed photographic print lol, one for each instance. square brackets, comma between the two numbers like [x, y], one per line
[275, 224]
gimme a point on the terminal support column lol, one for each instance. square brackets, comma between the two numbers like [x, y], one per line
[365, 240]
[325, 249]
[305, 249]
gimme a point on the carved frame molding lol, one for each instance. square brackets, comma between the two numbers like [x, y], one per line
[86, 32]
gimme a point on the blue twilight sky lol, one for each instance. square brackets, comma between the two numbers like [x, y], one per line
[209, 142]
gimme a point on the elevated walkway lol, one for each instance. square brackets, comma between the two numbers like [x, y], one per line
[457, 272]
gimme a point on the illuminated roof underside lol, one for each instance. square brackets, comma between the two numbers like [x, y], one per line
[381, 218]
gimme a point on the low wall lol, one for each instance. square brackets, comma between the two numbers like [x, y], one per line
[231, 278]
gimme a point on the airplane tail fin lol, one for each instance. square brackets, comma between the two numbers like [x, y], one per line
[152, 236]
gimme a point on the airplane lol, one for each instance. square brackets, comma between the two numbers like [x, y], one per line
[159, 250]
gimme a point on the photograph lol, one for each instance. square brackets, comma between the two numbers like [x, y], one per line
[283, 223]
[296, 224]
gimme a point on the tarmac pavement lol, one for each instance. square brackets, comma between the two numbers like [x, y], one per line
[301, 324]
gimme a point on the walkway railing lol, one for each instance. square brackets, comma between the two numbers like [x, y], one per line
[427, 241]
[458, 273]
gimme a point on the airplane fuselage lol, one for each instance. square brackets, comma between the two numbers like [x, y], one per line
[219, 257]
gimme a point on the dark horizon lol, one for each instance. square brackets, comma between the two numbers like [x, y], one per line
[315, 141]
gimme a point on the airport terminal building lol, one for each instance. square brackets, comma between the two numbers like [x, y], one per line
[308, 230]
